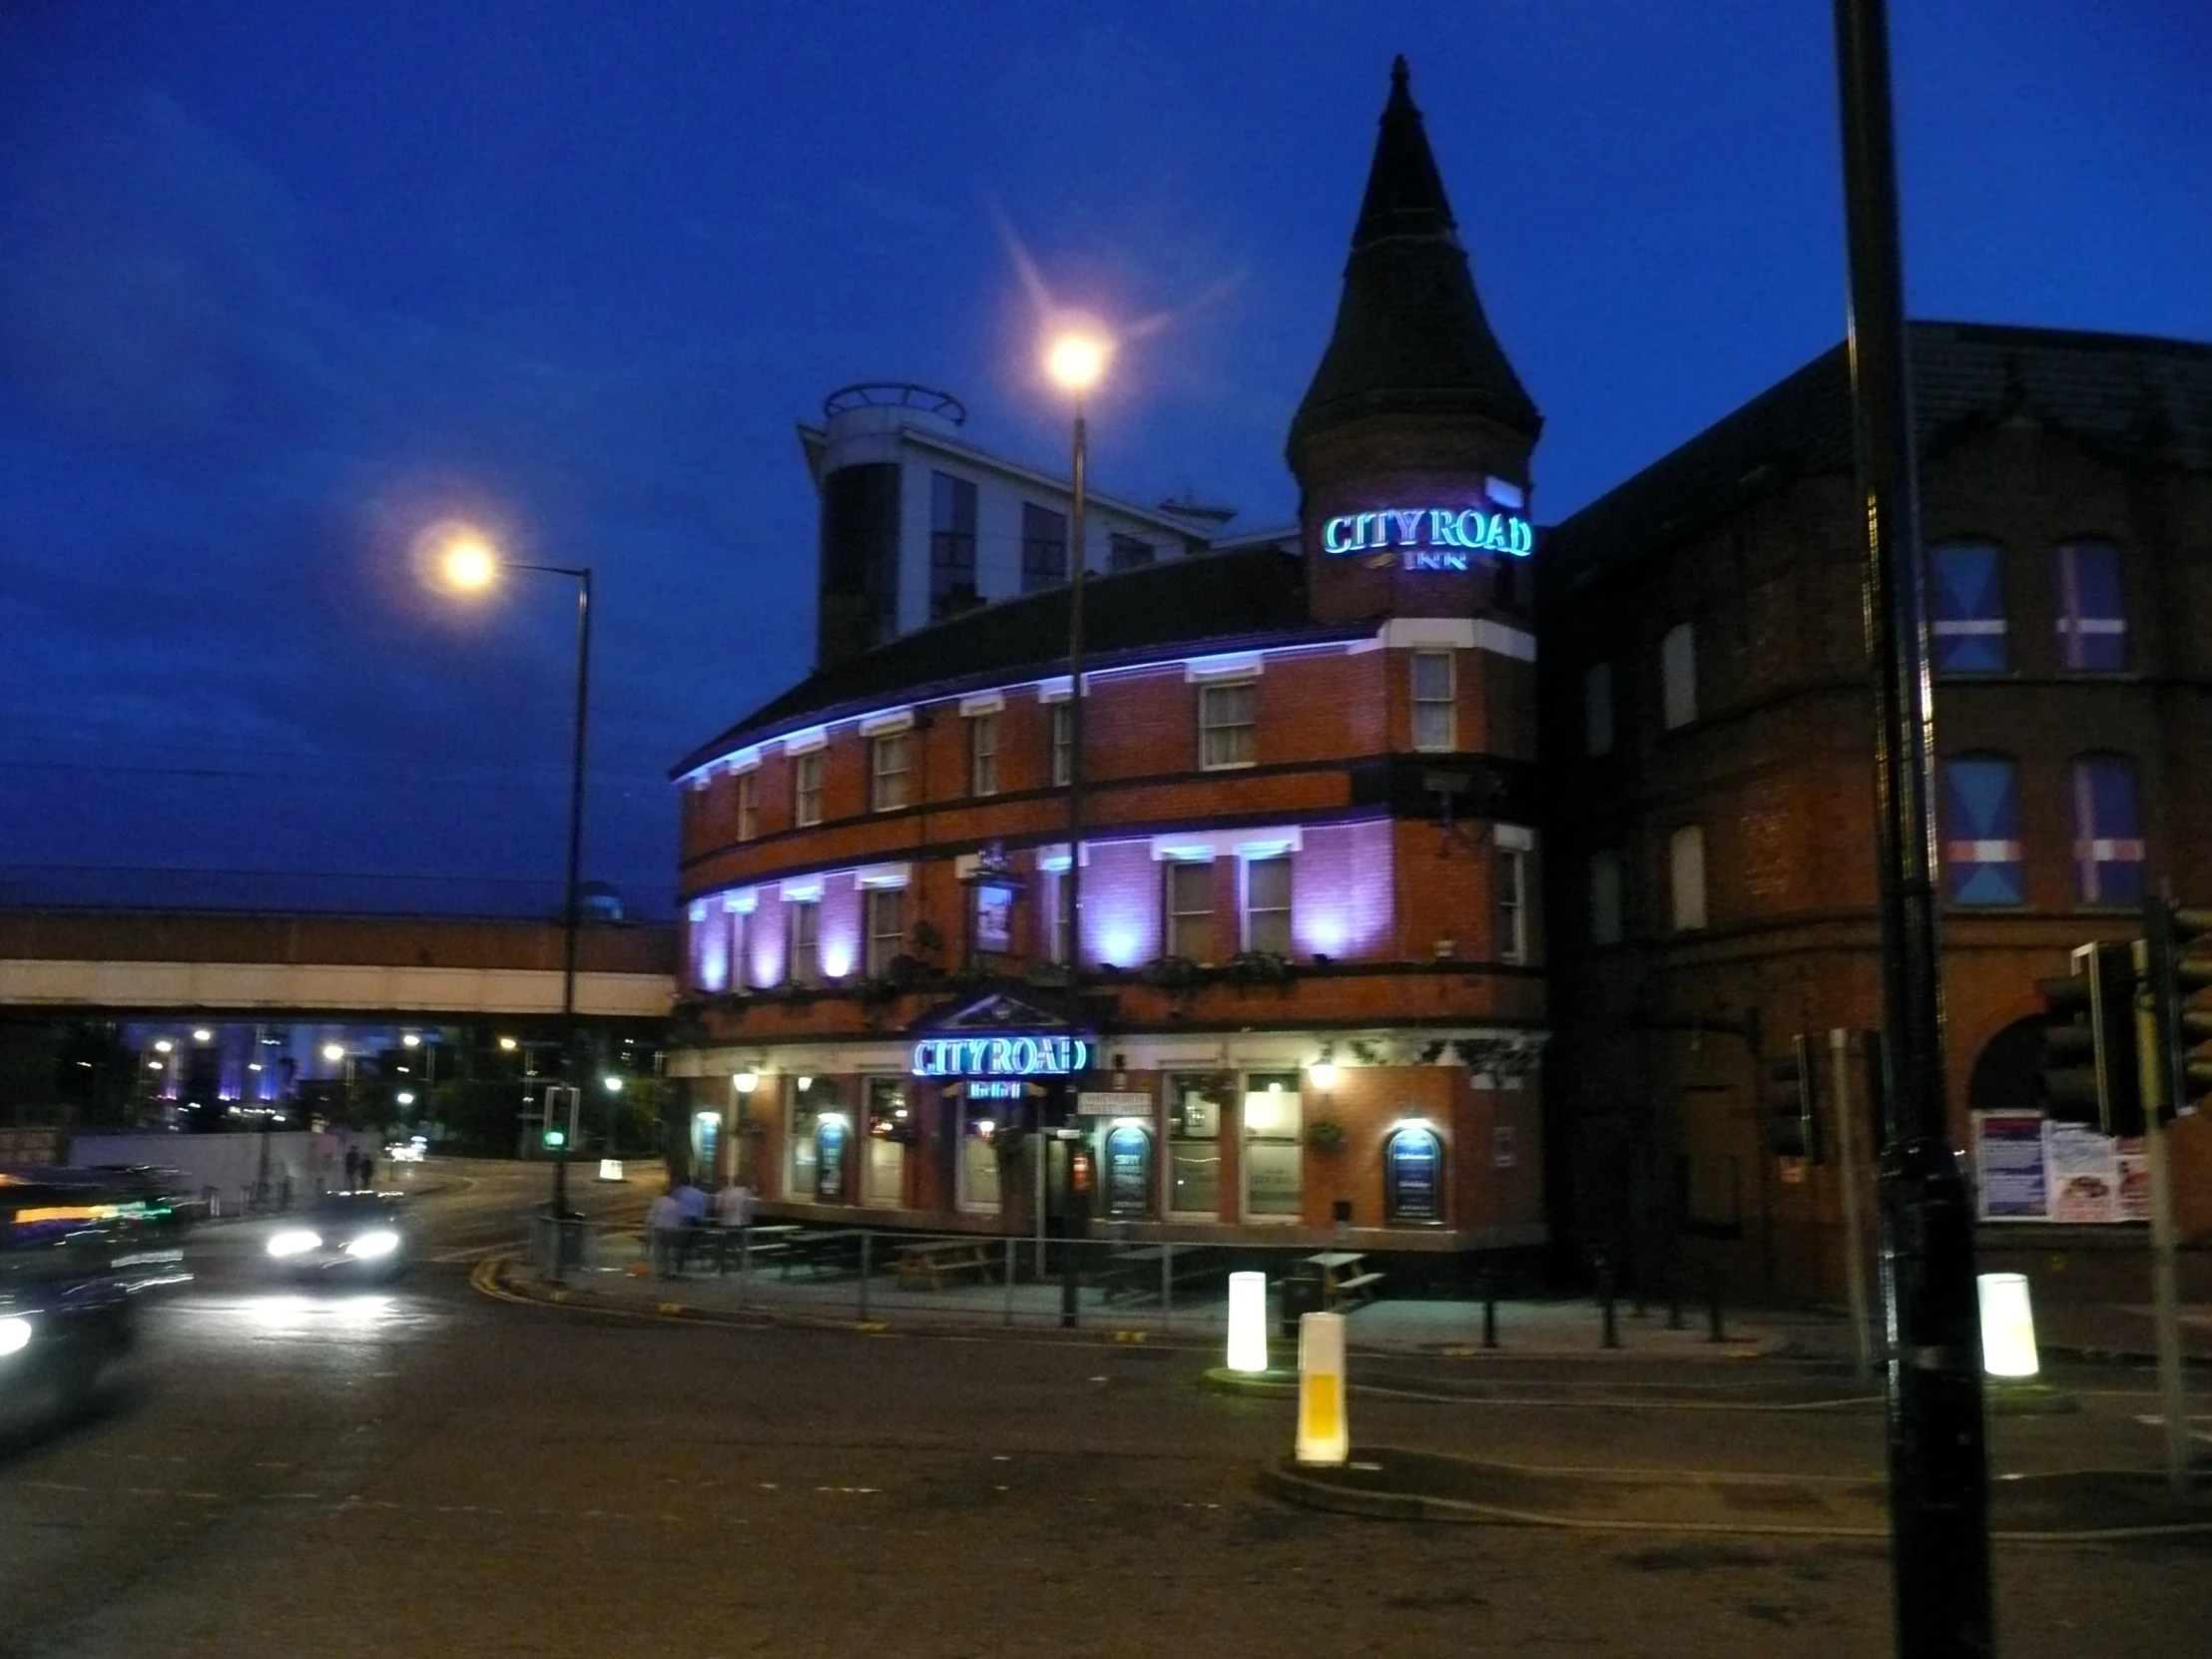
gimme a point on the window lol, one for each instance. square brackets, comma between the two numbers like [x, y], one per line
[883, 1175]
[1194, 1146]
[978, 1156]
[1267, 904]
[1051, 919]
[2108, 831]
[1273, 1160]
[1063, 744]
[951, 545]
[1605, 898]
[1509, 889]
[806, 789]
[1686, 876]
[1190, 896]
[1678, 674]
[1127, 552]
[2092, 622]
[1968, 628]
[1228, 724]
[1981, 823]
[887, 927]
[1045, 547]
[805, 961]
[740, 949]
[816, 1143]
[749, 805]
[1598, 709]
[1433, 722]
[983, 755]
[887, 782]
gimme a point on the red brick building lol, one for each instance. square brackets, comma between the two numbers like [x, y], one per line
[1307, 990]
[1708, 728]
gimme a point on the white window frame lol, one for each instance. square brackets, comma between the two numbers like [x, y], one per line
[889, 787]
[1686, 898]
[982, 748]
[806, 789]
[1509, 891]
[1063, 742]
[749, 805]
[876, 946]
[963, 1194]
[1448, 703]
[1169, 914]
[802, 941]
[1246, 1139]
[1678, 676]
[1242, 737]
[1598, 709]
[1247, 911]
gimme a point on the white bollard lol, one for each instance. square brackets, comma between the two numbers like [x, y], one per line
[2007, 1326]
[1247, 1322]
[610, 1169]
[1323, 1436]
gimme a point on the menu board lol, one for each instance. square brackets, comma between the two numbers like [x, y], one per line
[1128, 1170]
[829, 1139]
[1411, 1167]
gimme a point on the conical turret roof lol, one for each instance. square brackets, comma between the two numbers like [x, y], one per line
[1411, 336]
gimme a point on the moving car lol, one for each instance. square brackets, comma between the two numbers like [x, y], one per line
[360, 1235]
[66, 1318]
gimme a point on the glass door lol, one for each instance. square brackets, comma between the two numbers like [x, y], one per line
[1274, 1159]
[889, 1127]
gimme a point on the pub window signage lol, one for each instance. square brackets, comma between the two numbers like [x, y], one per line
[1027, 1056]
[1412, 1167]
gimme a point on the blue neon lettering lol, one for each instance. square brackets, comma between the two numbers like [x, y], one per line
[1525, 538]
[1443, 527]
[1408, 525]
[1432, 528]
[1332, 536]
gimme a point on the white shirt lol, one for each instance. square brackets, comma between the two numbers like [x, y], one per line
[734, 1205]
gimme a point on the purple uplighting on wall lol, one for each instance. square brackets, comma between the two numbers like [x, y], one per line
[1120, 903]
[1341, 891]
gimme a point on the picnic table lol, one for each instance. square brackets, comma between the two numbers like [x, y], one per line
[821, 1250]
[1134, 1274]
[758, 1240]
[931, 1261]
[1344, 1278]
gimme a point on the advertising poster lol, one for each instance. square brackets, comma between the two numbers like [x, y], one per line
[2083, 1173]
[2009, 1153]
[2134, 1174]
[1413, 1158]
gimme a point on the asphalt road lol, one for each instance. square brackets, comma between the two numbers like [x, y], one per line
[426, 1471]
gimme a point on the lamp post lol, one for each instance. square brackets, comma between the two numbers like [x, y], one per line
[471, 565]
[1075, 360]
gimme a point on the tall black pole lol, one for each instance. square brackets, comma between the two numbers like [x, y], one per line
[571, 913]
[1073, 889]
[1938, 1466]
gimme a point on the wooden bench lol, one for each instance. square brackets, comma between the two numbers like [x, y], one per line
[1359, 1289]
[937, 1259]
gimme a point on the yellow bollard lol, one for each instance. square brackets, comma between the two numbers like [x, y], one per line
[1323, 1436]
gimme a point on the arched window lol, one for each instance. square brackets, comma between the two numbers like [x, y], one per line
[2089, 609]
[2108, 830]
[1981, 830]
[1967, 607]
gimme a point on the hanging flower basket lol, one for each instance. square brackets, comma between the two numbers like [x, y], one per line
[1325, 1135]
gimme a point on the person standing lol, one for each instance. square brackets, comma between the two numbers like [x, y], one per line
[733, 1221]
[352, 1168]
[663, 1231]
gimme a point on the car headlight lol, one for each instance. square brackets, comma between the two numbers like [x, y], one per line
[369, 1246]
[293, 1240]
[15, 1334]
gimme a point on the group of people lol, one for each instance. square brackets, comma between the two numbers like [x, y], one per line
[678, 1221]
[360, 1169]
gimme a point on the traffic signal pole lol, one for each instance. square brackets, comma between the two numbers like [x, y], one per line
[1939, 1465]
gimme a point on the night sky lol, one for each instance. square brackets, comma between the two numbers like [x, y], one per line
[281, 284]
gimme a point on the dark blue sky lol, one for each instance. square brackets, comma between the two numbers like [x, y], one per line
[281, 284]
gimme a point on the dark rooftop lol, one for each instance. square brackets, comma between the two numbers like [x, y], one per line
[2133, 395]
[1215, 601]
[1410, 334]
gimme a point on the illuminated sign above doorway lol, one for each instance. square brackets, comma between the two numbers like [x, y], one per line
[1037, 1056]
[1429, 538]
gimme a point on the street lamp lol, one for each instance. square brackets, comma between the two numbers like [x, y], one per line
[1075, 359]
[470, 565]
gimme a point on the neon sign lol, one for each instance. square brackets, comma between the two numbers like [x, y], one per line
[1430, 538]
[1000, 1056]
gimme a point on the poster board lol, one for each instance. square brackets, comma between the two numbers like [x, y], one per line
[2034, 1169]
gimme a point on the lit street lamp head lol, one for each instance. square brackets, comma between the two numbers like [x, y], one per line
[468, 563]
[1076, 360]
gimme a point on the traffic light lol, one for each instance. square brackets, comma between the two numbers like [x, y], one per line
[561, 1103]
[554, 1139]
[1792, 1124]
[2089, 1066]
[2180, 967]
